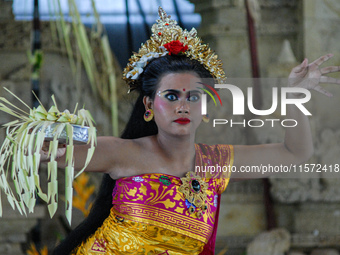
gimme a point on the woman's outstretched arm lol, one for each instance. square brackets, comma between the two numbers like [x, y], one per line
[109, 153]
[298, 143]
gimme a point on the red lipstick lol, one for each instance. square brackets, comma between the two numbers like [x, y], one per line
[182, 121]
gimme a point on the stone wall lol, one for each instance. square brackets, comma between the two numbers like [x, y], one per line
[55, 78]
[311, 30]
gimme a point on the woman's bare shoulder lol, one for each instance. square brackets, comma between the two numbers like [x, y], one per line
[120, 143]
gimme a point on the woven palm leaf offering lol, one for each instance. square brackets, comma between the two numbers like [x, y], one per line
[20, 153]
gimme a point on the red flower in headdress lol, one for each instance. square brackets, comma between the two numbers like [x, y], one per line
[175, 47]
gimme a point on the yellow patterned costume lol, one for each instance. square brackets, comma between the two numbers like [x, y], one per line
[152, 213]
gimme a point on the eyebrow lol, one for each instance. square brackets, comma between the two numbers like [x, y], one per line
[178, 91]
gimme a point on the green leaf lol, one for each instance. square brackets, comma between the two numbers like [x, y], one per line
[39, 116]
[69, 170]
[64, 118]
[41, 109]
[20, 155]
[53, 116]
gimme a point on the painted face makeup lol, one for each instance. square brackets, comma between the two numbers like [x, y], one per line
[177, 104]
[173, 95]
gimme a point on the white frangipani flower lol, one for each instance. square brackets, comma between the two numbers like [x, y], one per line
[143, 61]
[163, 49]
[140, 64]
[134, 73]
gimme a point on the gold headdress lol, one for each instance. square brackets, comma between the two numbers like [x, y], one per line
[169, 38]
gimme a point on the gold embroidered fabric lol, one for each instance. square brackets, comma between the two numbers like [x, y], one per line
[150, 214]
[131, 237]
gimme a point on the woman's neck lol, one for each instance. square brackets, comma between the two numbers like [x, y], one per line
[179, 148]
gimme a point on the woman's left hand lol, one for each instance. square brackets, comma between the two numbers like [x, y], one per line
[309, 76]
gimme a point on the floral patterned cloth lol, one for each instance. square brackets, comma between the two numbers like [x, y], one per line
[151, 216]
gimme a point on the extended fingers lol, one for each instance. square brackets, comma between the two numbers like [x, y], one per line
[321, 60]
[326, 79]
[323, 91]
[301, 67]
[330, 69]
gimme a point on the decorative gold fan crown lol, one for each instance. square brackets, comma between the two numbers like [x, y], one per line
[169, 38]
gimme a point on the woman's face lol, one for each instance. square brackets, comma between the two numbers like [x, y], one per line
[177, 104]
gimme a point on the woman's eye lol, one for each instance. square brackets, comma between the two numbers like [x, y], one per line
[171, 97]
[194, 98]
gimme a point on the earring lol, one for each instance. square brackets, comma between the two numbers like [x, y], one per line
[205, 118]
[148, 115]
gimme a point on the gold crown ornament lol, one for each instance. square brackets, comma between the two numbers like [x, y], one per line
[169, 38]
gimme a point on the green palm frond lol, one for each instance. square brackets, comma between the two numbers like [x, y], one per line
[20, 154]
[93, 52]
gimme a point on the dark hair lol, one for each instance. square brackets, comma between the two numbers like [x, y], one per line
[135, 128]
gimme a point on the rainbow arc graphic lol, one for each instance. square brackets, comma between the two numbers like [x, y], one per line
[204, 97]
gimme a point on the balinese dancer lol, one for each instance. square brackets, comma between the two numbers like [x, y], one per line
[151, 200]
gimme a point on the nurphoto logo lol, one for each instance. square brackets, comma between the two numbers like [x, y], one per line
[238, 102]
